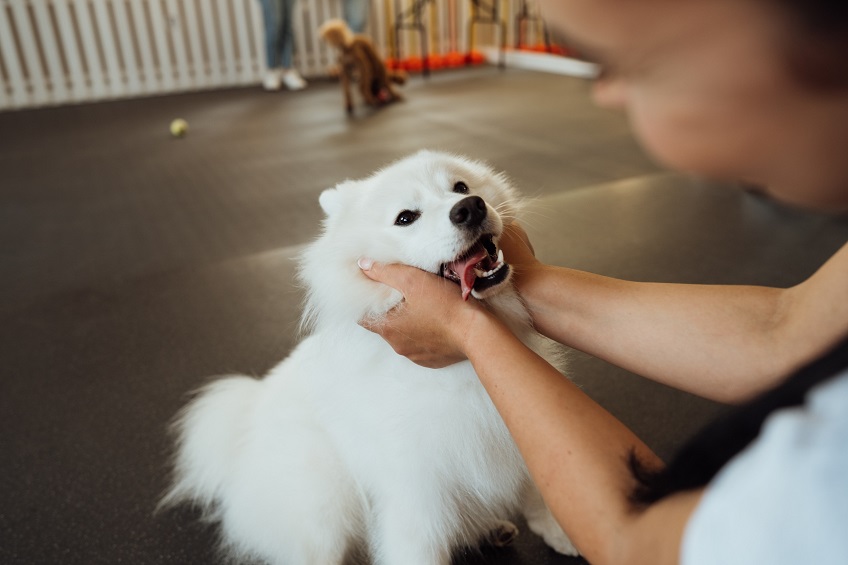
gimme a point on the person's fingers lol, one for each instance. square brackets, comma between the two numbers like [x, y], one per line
[394, 275]
[515, 239]
[522, 234]
[365, 263]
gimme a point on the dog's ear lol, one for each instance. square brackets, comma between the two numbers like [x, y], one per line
[336, 32]
[329, 201]
[332, 199]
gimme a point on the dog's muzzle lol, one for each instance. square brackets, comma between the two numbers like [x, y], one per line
[479, 268]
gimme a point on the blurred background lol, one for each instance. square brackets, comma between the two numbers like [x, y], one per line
[64, 51]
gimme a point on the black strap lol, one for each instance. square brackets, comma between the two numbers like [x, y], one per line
[699, 460]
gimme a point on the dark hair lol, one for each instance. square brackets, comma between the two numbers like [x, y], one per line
[817, 46]
[699, 460]
[818, 16]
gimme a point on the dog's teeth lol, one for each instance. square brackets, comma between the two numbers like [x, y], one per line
[483, 274]
[500, 256]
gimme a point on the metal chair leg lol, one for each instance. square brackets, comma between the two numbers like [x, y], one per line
[416, 24]
[491, 16]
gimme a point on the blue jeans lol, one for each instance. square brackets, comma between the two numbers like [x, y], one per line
[356, 14]
[279, 38]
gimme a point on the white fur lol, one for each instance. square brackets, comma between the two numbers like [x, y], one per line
[345, 442]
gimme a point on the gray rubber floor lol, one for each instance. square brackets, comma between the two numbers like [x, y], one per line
[134, 266]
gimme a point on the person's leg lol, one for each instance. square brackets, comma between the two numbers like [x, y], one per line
[271, 11]
[286, 45]
[271, 18]
[291, 78]
[356, 14]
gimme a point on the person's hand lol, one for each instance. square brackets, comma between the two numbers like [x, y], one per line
[428, 326]
[518, 252]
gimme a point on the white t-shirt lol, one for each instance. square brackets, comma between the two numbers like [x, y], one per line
[784, 499]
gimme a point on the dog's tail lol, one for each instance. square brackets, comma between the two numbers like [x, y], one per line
[209, 434]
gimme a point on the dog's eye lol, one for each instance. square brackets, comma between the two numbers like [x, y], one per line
[406, 217]
[460, 187]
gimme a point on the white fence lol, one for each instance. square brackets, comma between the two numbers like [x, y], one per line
[67, 51]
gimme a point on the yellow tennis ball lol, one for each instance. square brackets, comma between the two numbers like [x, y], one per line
[179, 127]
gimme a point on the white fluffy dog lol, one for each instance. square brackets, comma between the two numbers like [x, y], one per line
[346, 444]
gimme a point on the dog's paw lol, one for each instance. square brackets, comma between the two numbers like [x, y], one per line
[503, 534]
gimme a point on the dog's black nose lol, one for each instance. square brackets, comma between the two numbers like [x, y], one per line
[468, 212]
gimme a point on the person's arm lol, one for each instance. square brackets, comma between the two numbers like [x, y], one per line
[577, 454]
[576, 451]
[721, 342]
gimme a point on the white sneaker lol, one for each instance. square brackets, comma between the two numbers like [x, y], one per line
[292, 79]
[271, 81]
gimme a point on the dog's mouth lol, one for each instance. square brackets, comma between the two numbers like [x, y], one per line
[478, 269]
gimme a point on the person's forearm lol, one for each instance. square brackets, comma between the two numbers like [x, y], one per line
[720, 342]
[576, 451]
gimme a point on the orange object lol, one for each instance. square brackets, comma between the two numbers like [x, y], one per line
[413, 64]
[435, 62]
[475, 58]
[454, 59]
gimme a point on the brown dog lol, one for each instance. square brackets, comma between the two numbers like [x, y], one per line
[359, 62]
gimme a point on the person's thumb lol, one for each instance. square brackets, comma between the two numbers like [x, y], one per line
[376, 271]
[396, 275]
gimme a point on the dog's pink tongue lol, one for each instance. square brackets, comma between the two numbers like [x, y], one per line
[465, 269]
